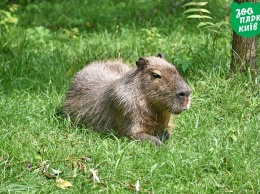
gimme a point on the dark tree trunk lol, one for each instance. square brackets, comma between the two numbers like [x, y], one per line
[244, 51]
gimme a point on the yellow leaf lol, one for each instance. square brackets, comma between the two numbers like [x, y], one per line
[63, 183]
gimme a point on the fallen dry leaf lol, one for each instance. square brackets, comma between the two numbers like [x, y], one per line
[81, 166]
[95, 175]
[28, 164]
[85, 159]
[137, 186]
[56, 172]
[46, 167]
[50, 176]
[63, 184]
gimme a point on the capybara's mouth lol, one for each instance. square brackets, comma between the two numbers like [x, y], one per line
[176, 112]
[179, 111]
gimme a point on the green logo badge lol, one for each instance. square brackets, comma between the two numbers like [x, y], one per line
[245, 19]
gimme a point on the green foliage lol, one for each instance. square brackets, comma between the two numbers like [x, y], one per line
[215, 30]
[206, 19]
[8, 16]
[214, 148]
[198, 10]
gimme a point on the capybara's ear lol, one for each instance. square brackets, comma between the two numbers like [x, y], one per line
[160, 55]
[141, 63]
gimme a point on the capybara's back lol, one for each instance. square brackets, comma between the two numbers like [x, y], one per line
[134, 102]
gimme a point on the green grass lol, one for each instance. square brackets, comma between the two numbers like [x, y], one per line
[214, 147]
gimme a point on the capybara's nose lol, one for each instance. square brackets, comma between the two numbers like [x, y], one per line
[184, 94]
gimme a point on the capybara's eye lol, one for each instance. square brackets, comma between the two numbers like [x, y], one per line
[156, 75]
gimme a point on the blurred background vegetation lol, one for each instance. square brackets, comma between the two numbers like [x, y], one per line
[85, 30]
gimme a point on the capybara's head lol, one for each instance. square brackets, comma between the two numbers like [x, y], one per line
[162, 85]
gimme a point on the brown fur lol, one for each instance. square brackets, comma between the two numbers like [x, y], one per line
[137, 102]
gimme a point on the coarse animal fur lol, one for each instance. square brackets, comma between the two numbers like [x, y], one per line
[137, 102]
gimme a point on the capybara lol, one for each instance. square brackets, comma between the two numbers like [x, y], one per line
[135, 102]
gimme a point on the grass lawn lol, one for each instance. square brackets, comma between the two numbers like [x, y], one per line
[215, 147]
